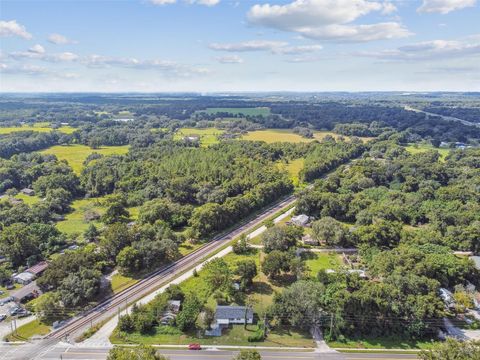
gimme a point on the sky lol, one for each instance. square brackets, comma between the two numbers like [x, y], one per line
[246, 45]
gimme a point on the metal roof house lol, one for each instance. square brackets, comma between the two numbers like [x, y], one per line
[301, 220]
[233, 315]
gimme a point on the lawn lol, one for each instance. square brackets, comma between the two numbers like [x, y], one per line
[75, 155]
[120, 282]
[419, 148]
[235, 335]
[74, 222]
[382, 343]
[43, 128]
[322, 261]
[264, 111]
[285, 135]
[207, 136]
[186, 248]
[29, 330]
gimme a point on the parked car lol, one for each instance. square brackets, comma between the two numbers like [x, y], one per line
[2, 317]
[6, 300]
[10, 286]
[194, 347]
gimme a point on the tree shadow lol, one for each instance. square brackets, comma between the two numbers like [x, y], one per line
[261, 287]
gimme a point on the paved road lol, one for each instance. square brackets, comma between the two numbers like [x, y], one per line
[76, 353]
[111, 306]
[444, 117]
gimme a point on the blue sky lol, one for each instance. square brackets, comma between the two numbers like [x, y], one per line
[247, 45]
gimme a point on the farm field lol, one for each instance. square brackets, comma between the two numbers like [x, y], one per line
[75, 155]
[43, 128]
[264, 111]
[207, 136]
[287, 135]
[419, 148]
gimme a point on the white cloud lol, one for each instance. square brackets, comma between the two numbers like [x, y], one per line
[328, 19]
[253, 45]
[444, 6]
[37, 49]
[430, 50]
[229, 59]
[275, 47]
[163, 2]
[12, 28]
[59, 39]
[197, 2]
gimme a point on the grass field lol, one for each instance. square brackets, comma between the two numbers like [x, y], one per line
[322, 261]
[29, 330]
[29, 200]
[286, 135]
[419, 148]
[265, 111]
[44, 128]
[74, 222]
[207, 136]
[383, 343]
[75, 155]
[120, 282]
[293, 167]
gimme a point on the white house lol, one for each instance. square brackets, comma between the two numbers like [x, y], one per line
[300, 220]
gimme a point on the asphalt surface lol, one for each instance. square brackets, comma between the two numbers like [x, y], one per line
[50, 352]
[110, 307]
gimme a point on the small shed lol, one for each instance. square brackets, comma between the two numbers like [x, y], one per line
[27, 191]
[300, 220]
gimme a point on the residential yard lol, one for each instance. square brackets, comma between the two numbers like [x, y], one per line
[40, 127]
[208, 136]
[33, 328]
[260, 296]
[76, 154]
[235, 335]
[322, 261]
[419, 148]
[383, 343]
[264, 111]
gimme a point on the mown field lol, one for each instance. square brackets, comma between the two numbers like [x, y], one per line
[322, 261]
[293, 167]
[75, 155]
[264, 111]
[419, 148]
[287, 135]
[207, 136]
[43, 128]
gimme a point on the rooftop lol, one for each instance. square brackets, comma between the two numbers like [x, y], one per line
[233, 312]
[37, 268]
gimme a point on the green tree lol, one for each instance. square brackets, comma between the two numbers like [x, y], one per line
[217, 274]
[114, 239]
[248, 355]
[281, 237]
[48, 307]
[275, 263]
[91, 234]
[330, 231]
[241, 246]
[129, 260]
[453, 350]
[116, 213]
[247, 270]
[142, 352]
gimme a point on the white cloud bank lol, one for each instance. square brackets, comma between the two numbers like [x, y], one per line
[328, 19]
[275, 47]
[12, 28]
[430, 50]
[444, 6]
[229, 59]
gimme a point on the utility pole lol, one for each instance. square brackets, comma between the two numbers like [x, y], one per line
[331, 325]
[15, 322]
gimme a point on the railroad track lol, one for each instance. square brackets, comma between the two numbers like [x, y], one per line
[109, 307]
